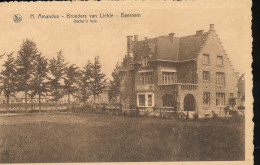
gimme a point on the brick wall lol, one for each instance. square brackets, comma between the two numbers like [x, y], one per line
[213, 47]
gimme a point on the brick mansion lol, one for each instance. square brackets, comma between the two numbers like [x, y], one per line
[169, 73]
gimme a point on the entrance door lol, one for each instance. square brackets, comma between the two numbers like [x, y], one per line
[189, 103]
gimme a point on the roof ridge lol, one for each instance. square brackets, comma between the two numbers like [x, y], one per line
[167, 36]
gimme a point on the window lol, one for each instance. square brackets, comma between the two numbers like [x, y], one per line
[206, 75]
[220, 99]
[169, 77]
[219, 60]
[206, 98]
[206, 59]
[220, 78]
[167, 100]
[145, 100]
[141, 100]
[144, 62]
[146, 78]
[150, 100]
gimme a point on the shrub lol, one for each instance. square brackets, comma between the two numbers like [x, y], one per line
[132, 113]
[164, 116]
[181, 115]
[195, 116]
[187, 115]
[226, 109]
[214, 115]
[124, 113]
[144, 114]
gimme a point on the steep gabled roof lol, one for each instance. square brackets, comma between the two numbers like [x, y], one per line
[144, 48]
[167, 48]
[189, 46]
[173, 49]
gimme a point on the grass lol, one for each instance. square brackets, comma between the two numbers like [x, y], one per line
[99, 138]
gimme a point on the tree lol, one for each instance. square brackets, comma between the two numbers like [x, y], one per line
[56, 68]
[38, 83]
[114, 89]
[70, 80]
[25, 66]
[98, 79]
[84, 83]
[8, 78]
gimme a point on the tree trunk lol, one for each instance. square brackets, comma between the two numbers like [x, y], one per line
[8, 102]
[68, 106]
[25, 97]
[31, 103]
[94, 98]
[57, 106]
[40, 106]
[68, 98]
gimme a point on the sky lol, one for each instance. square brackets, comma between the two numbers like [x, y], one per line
[107, 37]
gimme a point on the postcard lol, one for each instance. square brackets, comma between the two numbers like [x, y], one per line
[126, 81]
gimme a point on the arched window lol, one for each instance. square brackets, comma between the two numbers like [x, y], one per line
[167, 100]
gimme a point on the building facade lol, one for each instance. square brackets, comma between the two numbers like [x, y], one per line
[169, 73]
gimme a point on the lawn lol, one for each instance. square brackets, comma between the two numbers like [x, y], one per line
[102, 138]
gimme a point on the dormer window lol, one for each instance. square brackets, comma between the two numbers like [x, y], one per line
[144, 62]
[206, 59]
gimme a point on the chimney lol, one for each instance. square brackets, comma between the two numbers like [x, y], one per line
[135, 38]
[145, 41]
[211, 27]
[129, 38]
[129, 43]
[171, 36]
[199, 32]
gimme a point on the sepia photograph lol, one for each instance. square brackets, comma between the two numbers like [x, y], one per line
[126, 82]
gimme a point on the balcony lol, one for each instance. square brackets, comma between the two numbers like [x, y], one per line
[145, 88]
[188, 86]
[182, 86]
